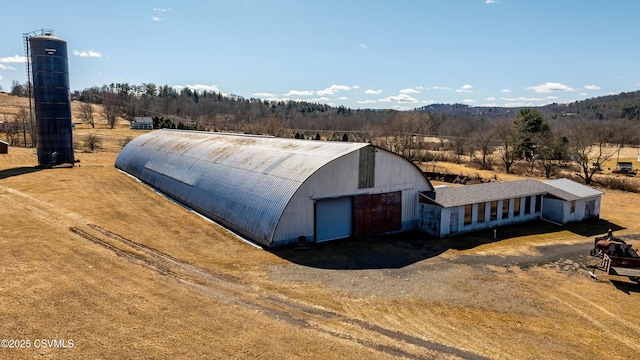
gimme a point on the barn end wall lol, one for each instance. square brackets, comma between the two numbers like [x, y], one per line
[339, 178]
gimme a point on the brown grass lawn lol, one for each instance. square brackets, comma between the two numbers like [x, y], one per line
[91, 255]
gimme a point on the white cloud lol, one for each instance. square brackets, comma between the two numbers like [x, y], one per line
[13, 59]
[343, 98]
[592, 87]
[5, 67]
[373, 92]
[491, 1]
[402, 98]
[409, 91]
[199, 87]
[465, 88]
[355, 87]
[0, 77]
[85, 53]
[441, 88]
[506, 90]
[491, 98]
[299, 93]
[264, 95]
[519, 104]
[367, 101]
[159, 11]
[522, 98]
[363, 46]
[331, 90]
[549, 87]
[468, 101]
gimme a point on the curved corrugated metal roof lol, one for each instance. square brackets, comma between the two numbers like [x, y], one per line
[243, 181]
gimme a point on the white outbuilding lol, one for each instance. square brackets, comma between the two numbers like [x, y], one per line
[450, 210]
[568, 201]
[274, 190]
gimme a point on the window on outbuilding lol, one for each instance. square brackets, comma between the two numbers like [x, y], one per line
[538, 203]
[494, 211]
[481, 207]
[468, 214]
[516, 206]
[505, 208]
[573, 206]
[527, 205]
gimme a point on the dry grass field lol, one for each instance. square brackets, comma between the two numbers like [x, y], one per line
[93, 257]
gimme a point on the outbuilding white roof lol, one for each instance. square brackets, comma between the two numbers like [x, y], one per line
[569, 190]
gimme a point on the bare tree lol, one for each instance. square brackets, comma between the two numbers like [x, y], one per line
[10, 129]
[587, 146]
[110, 109]
[549, 150]
[482, 145]
[22, 117]
[92, 142]
[505, 139]
[86, 111]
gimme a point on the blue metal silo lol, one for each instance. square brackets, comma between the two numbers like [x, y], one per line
[50, 69]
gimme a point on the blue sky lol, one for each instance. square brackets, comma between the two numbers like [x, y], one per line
[360, 54]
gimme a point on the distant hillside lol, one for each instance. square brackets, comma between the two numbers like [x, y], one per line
[625, 105]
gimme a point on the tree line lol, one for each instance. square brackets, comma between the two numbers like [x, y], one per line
[539, 136]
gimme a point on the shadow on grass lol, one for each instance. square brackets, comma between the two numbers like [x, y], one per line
[537, 227]
[626, 287]
[6, 173]
[375, 252]
[400, 250]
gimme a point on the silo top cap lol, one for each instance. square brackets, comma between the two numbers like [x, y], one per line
[46, 37]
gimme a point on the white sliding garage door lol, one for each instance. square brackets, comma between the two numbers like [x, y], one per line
[333, 218]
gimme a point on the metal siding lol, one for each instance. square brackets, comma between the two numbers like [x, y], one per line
[264, 187]
[377, 213]
[50, 72]
[335, 179]
[572, 190]
[367, 167]
[553, 209]
[244, 182]
[340, 177]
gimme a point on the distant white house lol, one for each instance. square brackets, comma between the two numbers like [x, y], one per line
[450, 210]
[142, 123]
[567, 201]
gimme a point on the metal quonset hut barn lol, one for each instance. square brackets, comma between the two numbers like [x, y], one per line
[274, 190]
